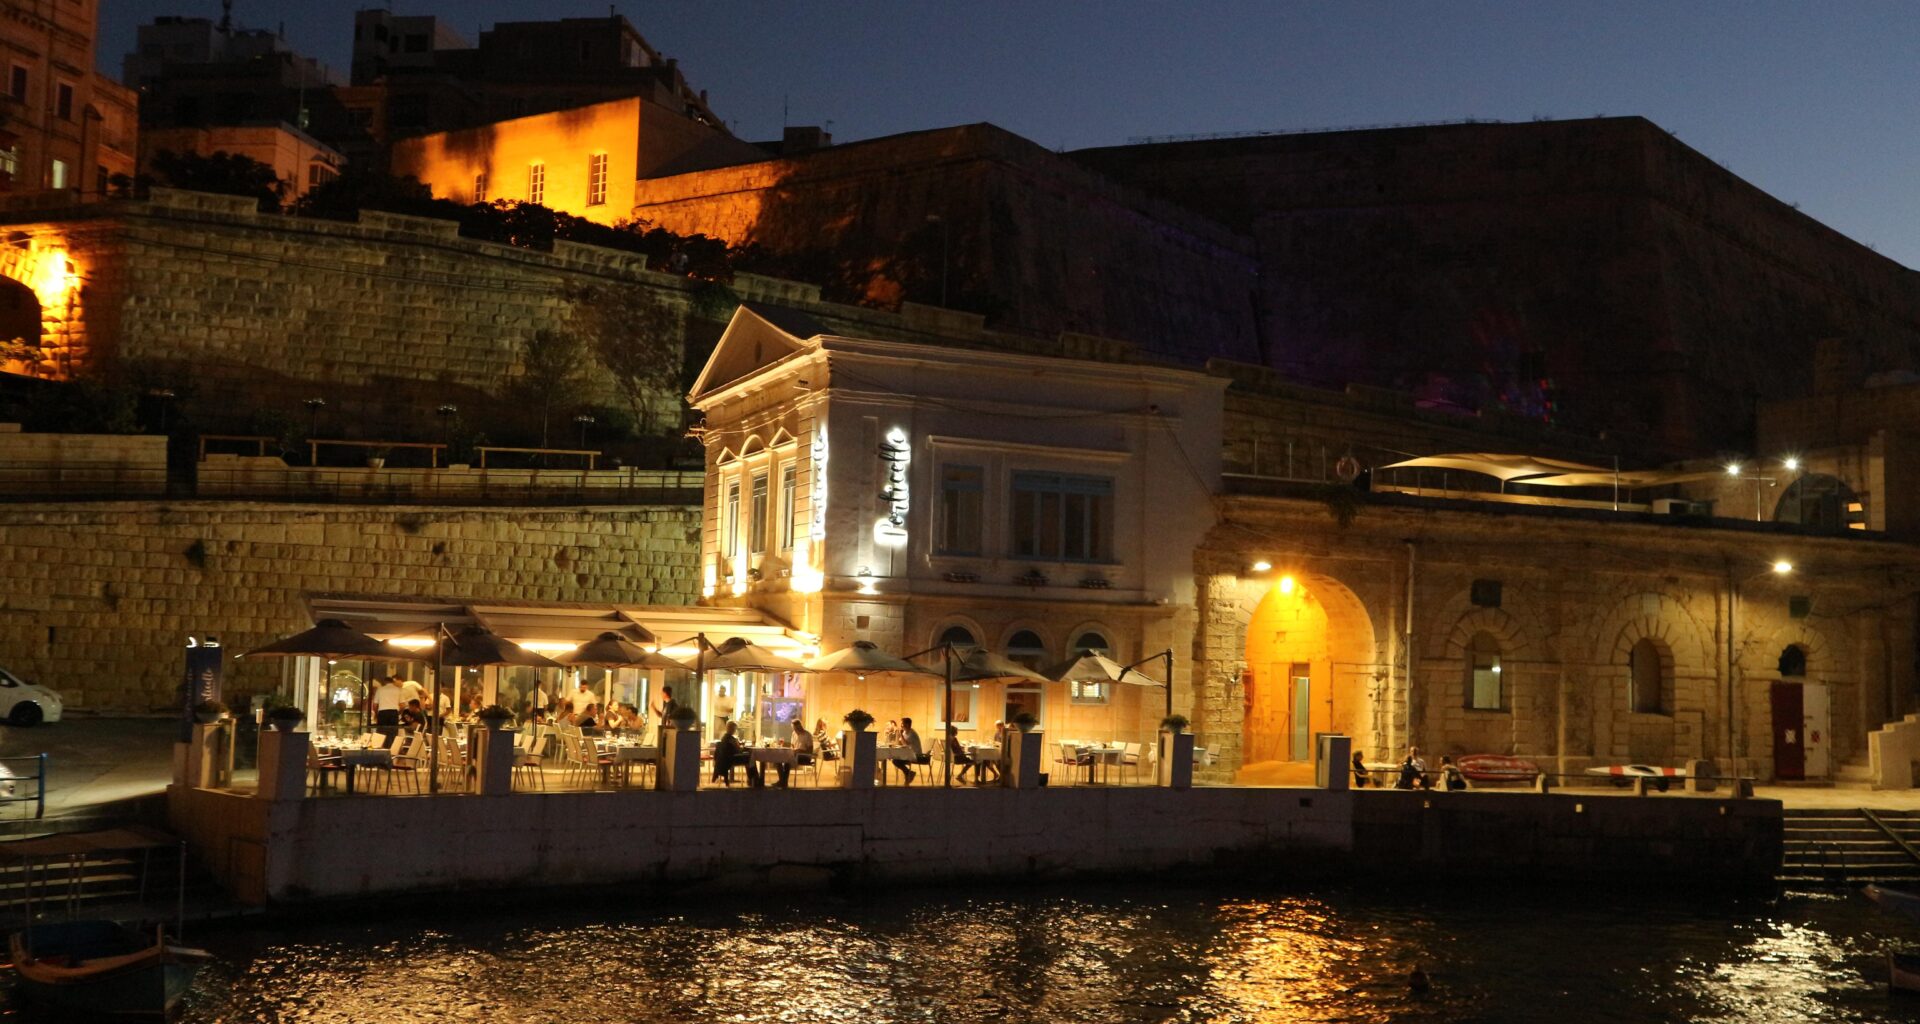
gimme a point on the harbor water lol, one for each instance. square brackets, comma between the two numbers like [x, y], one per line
[1116, 953]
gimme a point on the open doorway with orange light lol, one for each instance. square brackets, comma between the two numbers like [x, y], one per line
[1308, 669]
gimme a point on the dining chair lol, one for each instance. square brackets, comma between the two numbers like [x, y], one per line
[1070, 759]
[318, 765]
[1130, 761]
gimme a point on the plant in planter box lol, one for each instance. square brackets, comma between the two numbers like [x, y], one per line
[377, 457]
[684, 716]
[494, 716]
[1174, 723]
[859, 720]
[285, 717]
[1025, 721]
[209, 711]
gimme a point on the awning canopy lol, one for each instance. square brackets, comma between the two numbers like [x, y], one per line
[1504, 468]
[1625, 478]
[560, 628]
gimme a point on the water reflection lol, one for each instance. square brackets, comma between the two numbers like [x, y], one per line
[1107, 955]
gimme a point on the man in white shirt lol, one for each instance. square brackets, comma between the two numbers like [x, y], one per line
[583, 696]
[387, 702]
[910, 740]
[414, 691]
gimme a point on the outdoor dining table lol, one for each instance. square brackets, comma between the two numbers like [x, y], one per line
[775, 755]
[983, 754]
[358, 757]
[884, 756]
[1100, 756]
[626, 755]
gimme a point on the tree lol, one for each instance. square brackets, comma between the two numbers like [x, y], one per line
[226, 173]
[637, 339]
[550, 365]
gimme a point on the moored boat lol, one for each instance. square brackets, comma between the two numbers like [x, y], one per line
[1498, 768]
[1903, 971]
[102, 968]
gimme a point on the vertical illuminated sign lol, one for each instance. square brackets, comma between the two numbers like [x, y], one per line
[895, 454]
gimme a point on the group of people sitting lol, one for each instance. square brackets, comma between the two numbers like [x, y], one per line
[729, 753]
[1412, 772]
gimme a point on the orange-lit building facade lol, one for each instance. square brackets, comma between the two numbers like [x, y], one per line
[62, 124]
[582, 160]
[298, 159]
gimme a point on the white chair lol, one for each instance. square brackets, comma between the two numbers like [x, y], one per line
[1069, 763]
[1130, 760]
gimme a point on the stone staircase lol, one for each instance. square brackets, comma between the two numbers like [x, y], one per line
[1850, 845]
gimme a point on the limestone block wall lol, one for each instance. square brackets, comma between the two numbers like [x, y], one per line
[1577, 594]
[96, 600]
[387, 318]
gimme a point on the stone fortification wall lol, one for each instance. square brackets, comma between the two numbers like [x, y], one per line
[1024, 237]
[1596, 272]
[387, 318]
[97, 600]
[295, 851]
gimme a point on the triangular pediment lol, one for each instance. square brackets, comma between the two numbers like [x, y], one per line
[756, 337]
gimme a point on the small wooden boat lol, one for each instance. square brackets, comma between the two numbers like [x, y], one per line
[1894, 901]
[89, 966]
[1497, 768]
[102, 968]
[1624, 774]
[1903, 971]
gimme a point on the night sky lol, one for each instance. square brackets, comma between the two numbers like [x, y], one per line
[1815, 103]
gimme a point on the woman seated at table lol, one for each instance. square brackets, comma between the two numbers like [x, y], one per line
[959, 754]
[891, 738]
[823, 743]
[727, 754]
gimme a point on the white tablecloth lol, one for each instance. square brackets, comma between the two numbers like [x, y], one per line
[634, 752]
[775, 755]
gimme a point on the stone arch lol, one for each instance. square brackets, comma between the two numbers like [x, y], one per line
[1335, 644]
[1039, 632]
[42, 296]
[1689, 723]
[1116, 641]
[941, 625]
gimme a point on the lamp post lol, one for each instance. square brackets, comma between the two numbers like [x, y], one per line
[1779, 568]
[314, 405]
[585, 421]
[165, 395]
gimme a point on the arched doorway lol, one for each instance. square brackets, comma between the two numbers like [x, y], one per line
[1309, 669]
[1822, 502]
[20, 318]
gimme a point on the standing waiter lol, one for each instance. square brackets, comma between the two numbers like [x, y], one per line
[387, 701]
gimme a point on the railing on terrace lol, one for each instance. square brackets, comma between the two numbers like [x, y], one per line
[231, 479]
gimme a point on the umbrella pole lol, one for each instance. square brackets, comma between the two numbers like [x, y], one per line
[946, 712]
[1168, 654]
[434, 717]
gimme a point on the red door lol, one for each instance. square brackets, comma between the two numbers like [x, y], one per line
[1789, 744]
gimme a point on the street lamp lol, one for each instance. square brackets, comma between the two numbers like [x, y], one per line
[1779, 569]
[585, 421]
[314, 405]
[165, 395]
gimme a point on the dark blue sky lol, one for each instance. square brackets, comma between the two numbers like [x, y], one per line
[1815, 103]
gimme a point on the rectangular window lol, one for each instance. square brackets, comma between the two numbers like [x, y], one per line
[536, 183]
[960, 712]
[57, 178]
[962, 490]
[1483, 683]
[1062, 517]
[63, 102]
[789, 507]
[480, 187]
[1031, 699]
[1089, 692]
[732, 520]
[17, 84]
[597, 180]
[757, 517]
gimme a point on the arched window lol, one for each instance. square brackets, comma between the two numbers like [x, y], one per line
[1649, 678]
[1026, 648]
[1486, 690]
[1822, 502]
[1793, 661]
[960, 637]
[1092, 643]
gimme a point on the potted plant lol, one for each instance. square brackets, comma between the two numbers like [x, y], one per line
[858, 720]
[1174, 723]
[209, 711]
[494, 716]
[377, 457]
[684, 716]
[285, 717]
[1025, 721]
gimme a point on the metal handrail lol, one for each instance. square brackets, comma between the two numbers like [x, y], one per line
[39, 778]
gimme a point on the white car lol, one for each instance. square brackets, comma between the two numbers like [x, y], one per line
[24, 703]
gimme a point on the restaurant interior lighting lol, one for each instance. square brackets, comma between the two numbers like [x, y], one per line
[1262, 565]
[1782, 567]
[1733, 469]
[1791, 463]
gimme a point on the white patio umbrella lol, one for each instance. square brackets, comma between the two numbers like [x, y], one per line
[1090, 667]
[978, 665]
